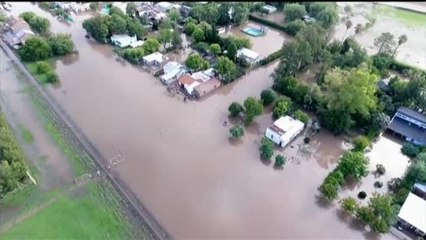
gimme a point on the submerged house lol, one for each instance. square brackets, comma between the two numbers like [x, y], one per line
[249, 55]
[172, 71]
[154, 59]
[284, 129]
[123, 40]
[200, 83]
[17, 31]
[409, 125]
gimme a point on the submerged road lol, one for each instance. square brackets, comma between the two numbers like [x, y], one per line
[63, 120]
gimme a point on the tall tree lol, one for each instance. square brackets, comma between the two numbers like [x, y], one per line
[131, 9]
[401, 40]
[253, 108]
[226, 69]
[385, 42]
[294, 11]
[174, 15]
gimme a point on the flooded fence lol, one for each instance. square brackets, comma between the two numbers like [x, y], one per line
[94, 158]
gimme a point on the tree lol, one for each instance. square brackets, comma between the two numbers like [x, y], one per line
[198, 35]
[226, 69]
[232, 51]
[174, 15]
[134, 55]
[237, 132]
[240, 14]
[325, 13]
[215, 49]
[301, 116]
[384, 42]
[349, 204]
[35, 49]
[279, 160]
[282, 107]
[365, 214]
[114, 10]
[39, 24]
[165, 36]
[401, 40]
[134, 27]
[51, 77]
[253, 108]
[151, 45]
[294, 11]
[131, 9]
[361, 143]
[43, 67]
[27, 16]
[235, 109]
[384, 212]
[289, 64]
[353, 164]
[268, 96]
[224, 17]
[206, 12]
[117, 25]
[331, 185]
[294, 27]
[266, 148]
[97, 27]
[316, 36]
[196, 62]
[190, 28]
[94, 6]
[61, 44]
[176, 39]
[410, 150]
[348, 25]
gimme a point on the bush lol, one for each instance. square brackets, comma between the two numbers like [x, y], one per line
[279, 160]
[271, 57]
[293, 28]
[380, 169]
[282, 107]
[361, 142]
[43, 67]
[378, 184]
[268, 96]
[235, 109]
[266, 148]
[410, 150]
[51, 77]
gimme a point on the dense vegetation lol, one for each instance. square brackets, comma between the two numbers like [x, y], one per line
[39, 48]
[13, 162]
[38, 24]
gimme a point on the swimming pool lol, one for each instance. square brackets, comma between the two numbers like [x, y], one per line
[253, 32]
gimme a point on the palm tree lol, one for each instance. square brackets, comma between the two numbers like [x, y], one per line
[401, 40]
[348, 25]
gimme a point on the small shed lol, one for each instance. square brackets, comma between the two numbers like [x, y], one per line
[172, 73]
[269, 9]
[153, 59]
[249, 55]
[284, 129]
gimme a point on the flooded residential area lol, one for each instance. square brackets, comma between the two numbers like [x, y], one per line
[177, 157]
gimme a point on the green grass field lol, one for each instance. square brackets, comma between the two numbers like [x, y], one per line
[410, 18]
[82, 217]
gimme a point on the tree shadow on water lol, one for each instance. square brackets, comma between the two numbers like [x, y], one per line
[322, 202]
[235, 142]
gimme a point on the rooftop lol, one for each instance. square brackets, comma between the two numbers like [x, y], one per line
[248, 53]
[413, 212]
[413, 114]
[286, 124]
[409, 130]
[157, 56]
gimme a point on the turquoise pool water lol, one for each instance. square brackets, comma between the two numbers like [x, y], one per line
[253, 32]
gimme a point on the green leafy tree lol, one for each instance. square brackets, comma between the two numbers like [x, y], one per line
[294, 27]
[226, 69]
[361, 143]
[384, 212]
[131, 9]
[190, 28]
[39, 24]
[240, 14]
[353, 164]
[114, 10]
[401, 40]
[174, 15]
[253, 108]
[165, 36]
[97, 27]
[224, 17]
[198, 35]
[232, 51]
[279, 160]
[285, 85]
[385, 43]
[282, 107]
[237, 132]
[331, 185]
[35, 49]
[294, 11]
[134, 55]
[324, 12]
[61, 44]
[215, 49]
[268, 96]
[196, 62]
[176, 39]
[43, 67]
[27, 16]
[52, 77]
[316, 37]
[365, 214]
[206, 12]
[235, 109]
[117, 25]
[410, 150]
[151, 45]
[349, 204]
[301, 116]
[135, 27]
[266, 148]
[94, 6]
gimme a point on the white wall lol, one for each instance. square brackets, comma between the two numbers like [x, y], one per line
[276, 138]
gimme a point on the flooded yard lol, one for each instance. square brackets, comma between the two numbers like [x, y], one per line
[178, 157]
[272, 41]
[395, 21]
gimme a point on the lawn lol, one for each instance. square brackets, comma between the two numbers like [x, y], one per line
[411, 18]
[84, 217]
[33, 69]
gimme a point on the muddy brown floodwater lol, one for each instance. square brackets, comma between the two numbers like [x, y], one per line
[178, 158]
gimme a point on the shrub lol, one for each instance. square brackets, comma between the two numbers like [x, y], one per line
[378, 184]
[235, 109]
[279, 160]
[268, 96]
[43, 67]
[301, 116]
[237, 132]
[362, 195]
[349, 204]
[282, 107]
[410, 150]
[271, 57]
[361, 142]
[380, 169]
[51, 77]
[266, 148]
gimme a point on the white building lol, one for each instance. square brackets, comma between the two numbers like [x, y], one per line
[123, 40]
[249, 55]
[283, 130]
[172, 72]
[270, 9]
[138, 43]
[153, 59]
[164, 6]
[413, 213]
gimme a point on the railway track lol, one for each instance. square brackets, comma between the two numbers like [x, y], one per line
[90, 156]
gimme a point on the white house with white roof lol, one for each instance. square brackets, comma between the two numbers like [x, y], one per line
[249, 55]
[172, 72]
[154, 59]
[123, 40]
[413, 213]
[284, 129]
